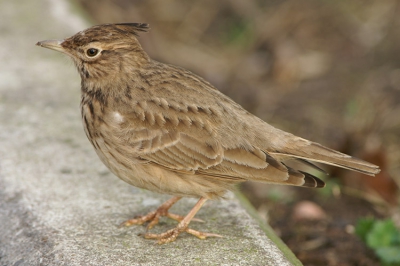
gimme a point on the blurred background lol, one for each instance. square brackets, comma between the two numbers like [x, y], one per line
[328, 71]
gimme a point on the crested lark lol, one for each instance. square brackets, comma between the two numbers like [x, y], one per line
[162, 128]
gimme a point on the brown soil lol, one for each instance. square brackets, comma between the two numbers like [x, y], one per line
[325, 241]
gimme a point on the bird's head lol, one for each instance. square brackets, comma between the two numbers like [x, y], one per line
[103, 50]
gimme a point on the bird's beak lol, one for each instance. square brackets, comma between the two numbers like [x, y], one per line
[52, 44]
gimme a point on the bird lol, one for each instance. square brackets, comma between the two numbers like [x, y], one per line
[162, 128]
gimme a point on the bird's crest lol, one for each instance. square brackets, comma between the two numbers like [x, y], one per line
[105, 33]
[133, 28]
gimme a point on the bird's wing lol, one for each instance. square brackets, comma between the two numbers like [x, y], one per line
[168, 134]
[191, 139]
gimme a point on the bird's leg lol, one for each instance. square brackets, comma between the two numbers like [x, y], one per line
[172, 234]
[153, 217]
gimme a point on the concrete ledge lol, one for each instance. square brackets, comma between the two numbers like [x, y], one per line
[58, 204]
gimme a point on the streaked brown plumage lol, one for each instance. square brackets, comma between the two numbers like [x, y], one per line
[162, 128]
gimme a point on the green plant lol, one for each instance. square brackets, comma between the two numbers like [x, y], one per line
[383, 237]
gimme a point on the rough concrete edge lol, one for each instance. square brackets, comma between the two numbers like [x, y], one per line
[267, 229]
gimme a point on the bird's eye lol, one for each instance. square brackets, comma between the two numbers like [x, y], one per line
[91, 52]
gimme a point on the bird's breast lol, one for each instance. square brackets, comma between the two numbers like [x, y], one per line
[100, 123]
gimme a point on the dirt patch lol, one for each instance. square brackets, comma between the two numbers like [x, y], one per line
[329, 240]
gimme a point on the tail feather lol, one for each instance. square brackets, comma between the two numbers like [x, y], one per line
[312, 166]
[312, 181]
[303, 179]
[339, 159]
[310, 151]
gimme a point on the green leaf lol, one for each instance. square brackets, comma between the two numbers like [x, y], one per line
[381, 234]
[396, 239]
[363, 227]
[390, 255]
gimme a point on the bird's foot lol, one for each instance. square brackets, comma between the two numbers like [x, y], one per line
[154, 216]
[172, 234]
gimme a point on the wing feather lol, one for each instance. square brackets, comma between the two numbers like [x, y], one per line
[192, 147]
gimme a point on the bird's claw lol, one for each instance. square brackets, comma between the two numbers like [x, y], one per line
[172, 234]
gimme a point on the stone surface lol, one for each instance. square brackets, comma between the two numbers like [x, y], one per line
[58, 204]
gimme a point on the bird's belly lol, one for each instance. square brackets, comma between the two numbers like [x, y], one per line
[154, 178]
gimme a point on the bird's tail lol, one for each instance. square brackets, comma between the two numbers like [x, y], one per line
[310, 151]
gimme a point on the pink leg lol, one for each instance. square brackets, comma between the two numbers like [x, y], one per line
[172, 234]
[153, 217]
